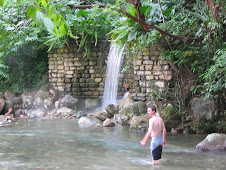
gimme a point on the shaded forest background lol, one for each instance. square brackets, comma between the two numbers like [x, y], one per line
[190, 33]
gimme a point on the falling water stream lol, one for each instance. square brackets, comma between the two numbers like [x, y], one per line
[112, 75]
[62, 144]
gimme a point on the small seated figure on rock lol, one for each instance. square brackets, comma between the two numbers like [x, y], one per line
[127, 93]
[9, 115]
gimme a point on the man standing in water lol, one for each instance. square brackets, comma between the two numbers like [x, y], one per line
[157, 131]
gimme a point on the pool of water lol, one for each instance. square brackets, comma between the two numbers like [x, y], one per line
[62, 144]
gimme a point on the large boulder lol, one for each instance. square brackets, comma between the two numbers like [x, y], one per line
[28, 100]
[9, 95]
[213, 142]
[86, 122]
[108, 123]
[2, 104]
[8, 104]
[133, 109]
[64, 111]
[38, 102]
[102, 115]
[91, 103]
[68, 101]
[111, 110]
[202, 109]
[42, 94]
[126, 101]
[139, 123]
[81, 114]
[38, 113]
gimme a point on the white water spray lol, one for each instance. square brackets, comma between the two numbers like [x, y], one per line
[112, 75]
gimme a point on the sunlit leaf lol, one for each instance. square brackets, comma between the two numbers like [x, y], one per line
[57, 19]
[51, 13]
[132, 36]
[31, 12]
[82, 13]
[39, 16]
[56, 32]
[63, 28]
[44, 3]
[143, 9]
[48, 24]
[1, 2]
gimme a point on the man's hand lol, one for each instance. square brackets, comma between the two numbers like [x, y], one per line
[164, 144]
[142, 143]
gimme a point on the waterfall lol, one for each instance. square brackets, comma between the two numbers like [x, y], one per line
[112, 75]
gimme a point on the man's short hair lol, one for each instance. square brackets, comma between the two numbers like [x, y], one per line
[152, 108]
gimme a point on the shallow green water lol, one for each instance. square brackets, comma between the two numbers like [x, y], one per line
[62, 144]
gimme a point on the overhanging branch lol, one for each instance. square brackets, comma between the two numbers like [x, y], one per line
[141, 20]
[165, 33]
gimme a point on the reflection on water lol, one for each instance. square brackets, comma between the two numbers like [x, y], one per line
[62, 144]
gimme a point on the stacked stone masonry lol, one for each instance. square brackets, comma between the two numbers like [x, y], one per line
[148, 70]
[72, 73]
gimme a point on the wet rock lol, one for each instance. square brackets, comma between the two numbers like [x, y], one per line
[68, 101]
[8, 104]
[202, 109]
[2, 104]
[64, 111]
[42, 94]
[9, 95]
[28, 100]
[91, 103]
[38, 113]
[133, 109]
[38, 102]
[81, 114]
[213, 142]
[18, 112]
[116, 117]
[47, 103]
[85, 122]
[102, 115]
[108, 123]
[138, 123]
[126, 101]
[111, 110]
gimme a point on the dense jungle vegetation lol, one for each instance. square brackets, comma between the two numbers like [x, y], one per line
[190, 33]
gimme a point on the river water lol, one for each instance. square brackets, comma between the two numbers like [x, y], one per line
[62, 144]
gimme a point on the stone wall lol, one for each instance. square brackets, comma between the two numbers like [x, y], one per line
[83, 77]
[147, 70]
[72, 73]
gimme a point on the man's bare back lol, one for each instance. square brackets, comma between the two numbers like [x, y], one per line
[156, 126]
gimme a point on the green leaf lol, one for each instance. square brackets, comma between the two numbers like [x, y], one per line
[57, 19]
[31, 12]
[143, 9]
[39, 16]
[44, 3]
[56, 32]
[49, 24]
[132, 11]
[82, 13]
[131, 36]
[63, 28]
[51, 13]
[1, 2]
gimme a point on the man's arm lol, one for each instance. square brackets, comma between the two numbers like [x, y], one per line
[164, 134]
[147, 135]
[145, 139]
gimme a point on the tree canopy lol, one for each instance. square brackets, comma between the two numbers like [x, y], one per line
[191, 33]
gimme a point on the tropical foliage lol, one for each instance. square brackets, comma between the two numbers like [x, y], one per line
[191, 32]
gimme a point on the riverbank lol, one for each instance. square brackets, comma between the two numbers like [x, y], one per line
[63, 144]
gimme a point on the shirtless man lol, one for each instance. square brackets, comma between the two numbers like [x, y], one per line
[157, 131]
